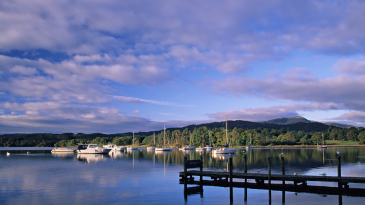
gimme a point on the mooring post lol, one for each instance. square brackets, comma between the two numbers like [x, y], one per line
[185, 173]
[245, 167]
[339, 169]
[245, 199]
[282, 168]
[230, 179]
[283, 197]
[230, 170]
[201, 168]
[269, 170]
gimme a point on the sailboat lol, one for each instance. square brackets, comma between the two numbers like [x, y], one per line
[225, 150]
[131, 147]
[188, 147]
[209, 147]
[154, 143]
[163, 148]
[324, 143]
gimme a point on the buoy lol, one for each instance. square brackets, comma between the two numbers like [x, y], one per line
[8, 153]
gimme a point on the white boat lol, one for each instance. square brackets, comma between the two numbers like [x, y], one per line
[163, 148]
[209, 147]
[224, 150]
[131, 148]
[200, 149]
[154, 143]
[92, 149]
[188, 147]
[63, 149]
[248, 147]
[114, 147]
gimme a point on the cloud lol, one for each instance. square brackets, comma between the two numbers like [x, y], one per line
[267, 113]
[136, 112]
[138, 100]
[350, 67]
[299, 86]
[354, 117]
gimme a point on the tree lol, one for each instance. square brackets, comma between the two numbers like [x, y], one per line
[317, 138]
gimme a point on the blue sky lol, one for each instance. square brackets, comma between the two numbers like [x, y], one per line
[119, 66]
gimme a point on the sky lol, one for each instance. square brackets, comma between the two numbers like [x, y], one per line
[117, 66]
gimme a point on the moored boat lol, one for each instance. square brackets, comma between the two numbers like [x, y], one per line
[163, 148]
[92, 149]
[131, 148]
[224, 150]
[63, 149]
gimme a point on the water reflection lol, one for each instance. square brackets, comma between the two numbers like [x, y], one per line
[129, 176]
[92, 158]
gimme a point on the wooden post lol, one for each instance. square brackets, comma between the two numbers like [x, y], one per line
[185, 172]
[245, 199]
[230, 179]
[201, 169]
[282, 168]
[269, 170]
[245, 167]
[230, 170]
[283, 197]
[339, 170]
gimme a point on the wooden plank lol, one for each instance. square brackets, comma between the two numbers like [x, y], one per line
[299, 178]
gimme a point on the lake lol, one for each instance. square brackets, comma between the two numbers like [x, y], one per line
[146, 177]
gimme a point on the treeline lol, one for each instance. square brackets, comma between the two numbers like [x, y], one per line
[199, 136]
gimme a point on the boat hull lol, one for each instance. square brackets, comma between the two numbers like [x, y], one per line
[63, 150]
[94, 151]
[163, 149]
[224, 151]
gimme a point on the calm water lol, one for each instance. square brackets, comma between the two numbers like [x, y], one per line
[144, 177]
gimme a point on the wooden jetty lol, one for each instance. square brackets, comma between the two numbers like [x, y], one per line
[299, 182]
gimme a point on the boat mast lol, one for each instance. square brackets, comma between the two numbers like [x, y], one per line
[210, 142]
[133, 139]
[154, 139]
[226, 131]
[164, 132]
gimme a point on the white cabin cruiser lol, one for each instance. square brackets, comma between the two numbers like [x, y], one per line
[92, 149]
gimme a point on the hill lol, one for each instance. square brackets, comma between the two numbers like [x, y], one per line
[286, 120]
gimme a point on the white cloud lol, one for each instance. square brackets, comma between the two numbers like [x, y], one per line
[136, 111]
[139, 100]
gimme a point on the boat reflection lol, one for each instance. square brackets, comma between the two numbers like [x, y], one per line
[116, 154]
[64, 155]
[222, 156]
[92, 158]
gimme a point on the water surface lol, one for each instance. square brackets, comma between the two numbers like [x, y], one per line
[144, 177]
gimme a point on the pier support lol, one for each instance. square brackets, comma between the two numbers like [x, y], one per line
[269, 170]
[282, 168]
[339, 170]
[230, 179]
[245, 166]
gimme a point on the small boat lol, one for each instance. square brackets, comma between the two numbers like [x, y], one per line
[8, 154]
[187, 147]
[163, 148]
[248, 147]
[92, 149]
[114, 147]
[200, 149]
[63, 149]
[225, 150]
[209, 147]
[154, 143]
[322, 146]
[131, 148]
